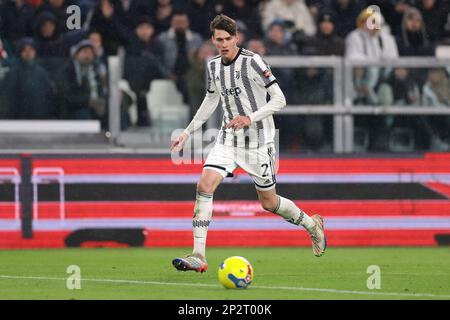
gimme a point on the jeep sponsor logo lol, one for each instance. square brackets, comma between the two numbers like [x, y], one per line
[231, 92]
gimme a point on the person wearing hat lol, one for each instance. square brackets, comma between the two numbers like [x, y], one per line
[81, 90]
[29, 90]
[326, 42]
[58, 8]
[49, 42]
[277, 40]
[369, 40]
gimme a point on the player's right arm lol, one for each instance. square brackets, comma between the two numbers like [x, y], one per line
[209, 104]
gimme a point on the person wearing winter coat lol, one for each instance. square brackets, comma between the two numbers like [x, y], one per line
[29, 90]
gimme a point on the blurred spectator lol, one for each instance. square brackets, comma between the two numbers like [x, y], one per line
[142, 65]
[293, 11]
[143, 41]
[244, 11]
[436, 93]
[28, 87]
[201, 13]
[314, 88]
[257, 45]
[434, 16]
[401, 89]
[393, 11]
[163, 11]
[100, 60]
[179, 43]
[365, 42]
[444, 37]
[49, 42]
[277, 42]
[197, 70]
[346, 13]
[58, 8]
[96, 38]
[370, 41]
[325, 42]
[241, 34]
[15, 18]
[80, 85]
[315, 6]
[413, 40]
[114, 18]
[364, 85]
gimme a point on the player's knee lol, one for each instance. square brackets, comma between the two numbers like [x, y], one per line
[268, 204]
[205, 186]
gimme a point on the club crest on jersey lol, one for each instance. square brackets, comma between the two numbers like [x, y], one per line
[237, 74]
[231, 92]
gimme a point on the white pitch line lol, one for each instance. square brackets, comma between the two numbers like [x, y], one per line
[397, 294]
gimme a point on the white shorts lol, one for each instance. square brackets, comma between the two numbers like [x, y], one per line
[259, 163]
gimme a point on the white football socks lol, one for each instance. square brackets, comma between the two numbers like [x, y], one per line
[293, 214]
[201, 221]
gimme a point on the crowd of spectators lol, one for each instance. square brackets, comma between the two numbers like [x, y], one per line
[48, 70]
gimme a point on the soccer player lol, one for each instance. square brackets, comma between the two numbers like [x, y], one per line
[239, 81]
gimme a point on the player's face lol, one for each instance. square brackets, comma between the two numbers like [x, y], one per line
[225, 44]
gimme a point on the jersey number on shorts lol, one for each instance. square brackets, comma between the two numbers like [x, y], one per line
[266, 168]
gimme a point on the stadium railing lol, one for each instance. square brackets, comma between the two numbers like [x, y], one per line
[342, 109]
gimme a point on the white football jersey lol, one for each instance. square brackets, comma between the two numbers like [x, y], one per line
[242, 85]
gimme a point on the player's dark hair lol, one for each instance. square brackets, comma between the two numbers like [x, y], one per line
[223, 22]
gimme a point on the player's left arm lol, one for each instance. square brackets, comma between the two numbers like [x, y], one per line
[263, 76]
[276, 103]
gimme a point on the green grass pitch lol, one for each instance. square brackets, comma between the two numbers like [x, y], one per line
[280, 273]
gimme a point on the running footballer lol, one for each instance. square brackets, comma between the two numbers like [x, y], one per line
[239, 81]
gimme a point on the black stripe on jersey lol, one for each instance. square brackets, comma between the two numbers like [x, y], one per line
[248, 52]
[260, 72]
[225, 97]
[272, 166]
[229, 174]
[216, 57]
[212, 66]
[271, 83]
[238, 102]
[251, 98]
[224, 133]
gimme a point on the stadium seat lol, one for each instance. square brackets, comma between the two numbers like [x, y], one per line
[165, 105]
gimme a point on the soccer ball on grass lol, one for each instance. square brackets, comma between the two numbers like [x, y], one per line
[235, 273]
